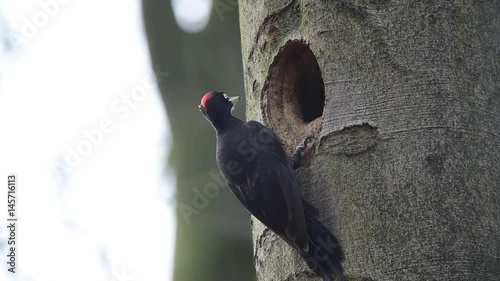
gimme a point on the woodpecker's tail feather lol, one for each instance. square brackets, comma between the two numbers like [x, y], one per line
[325, 254]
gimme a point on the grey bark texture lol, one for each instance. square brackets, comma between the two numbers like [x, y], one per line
[406, 166]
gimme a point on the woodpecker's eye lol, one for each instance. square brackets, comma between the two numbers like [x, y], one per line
[225, 96]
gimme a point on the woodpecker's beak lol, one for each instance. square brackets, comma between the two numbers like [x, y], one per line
[234, 100]
[202, 110]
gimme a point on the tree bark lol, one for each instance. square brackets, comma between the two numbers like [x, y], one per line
[405, 169]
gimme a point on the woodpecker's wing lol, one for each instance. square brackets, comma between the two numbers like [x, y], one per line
[236, 189]
[275, 199]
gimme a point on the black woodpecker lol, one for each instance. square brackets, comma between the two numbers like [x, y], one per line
[260, 173]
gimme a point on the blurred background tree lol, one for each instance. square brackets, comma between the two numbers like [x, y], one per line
[214, 241]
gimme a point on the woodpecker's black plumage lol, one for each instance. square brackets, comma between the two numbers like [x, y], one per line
[260, 174]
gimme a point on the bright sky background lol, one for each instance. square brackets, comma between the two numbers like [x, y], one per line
[192, 15]
[83, 127]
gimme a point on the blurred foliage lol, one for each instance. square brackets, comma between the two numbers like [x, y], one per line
[214, 244]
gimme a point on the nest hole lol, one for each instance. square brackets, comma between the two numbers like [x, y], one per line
[295, 92]
[309, 93]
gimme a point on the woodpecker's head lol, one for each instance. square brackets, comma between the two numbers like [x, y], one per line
[217, 106]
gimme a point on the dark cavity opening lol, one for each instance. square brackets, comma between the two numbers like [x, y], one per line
[294, 92]
[310, 90]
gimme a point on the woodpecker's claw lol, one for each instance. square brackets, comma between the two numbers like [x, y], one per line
[297, 155]
[305, 142]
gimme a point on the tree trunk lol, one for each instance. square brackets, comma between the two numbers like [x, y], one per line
[405, 169]
[211, 225]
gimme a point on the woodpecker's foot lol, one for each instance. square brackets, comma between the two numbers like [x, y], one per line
[297, 155]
